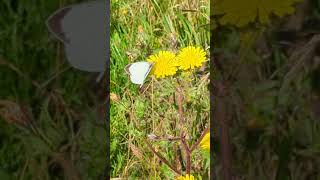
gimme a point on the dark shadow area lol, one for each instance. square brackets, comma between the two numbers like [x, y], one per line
[53, 100]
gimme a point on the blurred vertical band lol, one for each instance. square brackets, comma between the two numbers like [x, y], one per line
[211, 88]
[107, 168]
[218, 109]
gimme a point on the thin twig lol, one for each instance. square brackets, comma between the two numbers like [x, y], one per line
[157, 138]
[219, 113]
[194, 146]
[188, 154]
[22, 176]
[18, 71]
[162, 158]
[180, 106]
[182, 122]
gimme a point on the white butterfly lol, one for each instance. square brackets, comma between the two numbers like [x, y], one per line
[138, 71]
[82, 28]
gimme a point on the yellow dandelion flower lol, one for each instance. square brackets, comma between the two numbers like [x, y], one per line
[205, 142]
[164, 64]
[186, 177]
[243, 12]
[191, 57]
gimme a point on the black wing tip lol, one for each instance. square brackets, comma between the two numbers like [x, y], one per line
[53, 23]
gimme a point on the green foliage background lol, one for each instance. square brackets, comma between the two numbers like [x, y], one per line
[139, 29]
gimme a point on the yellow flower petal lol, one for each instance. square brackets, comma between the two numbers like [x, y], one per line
[191, 57]
[205, 142]
[186, 177]
[165, 64]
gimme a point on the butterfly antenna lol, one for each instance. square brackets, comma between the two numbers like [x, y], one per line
[99, 77]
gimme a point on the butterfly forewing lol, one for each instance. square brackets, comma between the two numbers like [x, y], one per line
[54, 24]
[139, 71]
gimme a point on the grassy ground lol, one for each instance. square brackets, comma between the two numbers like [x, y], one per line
[138, 29]
[272, 81]
[49, 127]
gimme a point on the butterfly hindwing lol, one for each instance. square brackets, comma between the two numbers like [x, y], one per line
[138, 71]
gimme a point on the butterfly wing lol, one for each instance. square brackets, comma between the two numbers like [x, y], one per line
[90, 59]
[139, 71]
[54, 24]
[83, 30]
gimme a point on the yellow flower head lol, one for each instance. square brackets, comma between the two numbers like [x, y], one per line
[243, 12]
[191, 57]
[186, 177]
[205, 142]
[164, 64]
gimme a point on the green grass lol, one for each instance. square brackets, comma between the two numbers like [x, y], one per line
[64, 138]
[139, 29]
